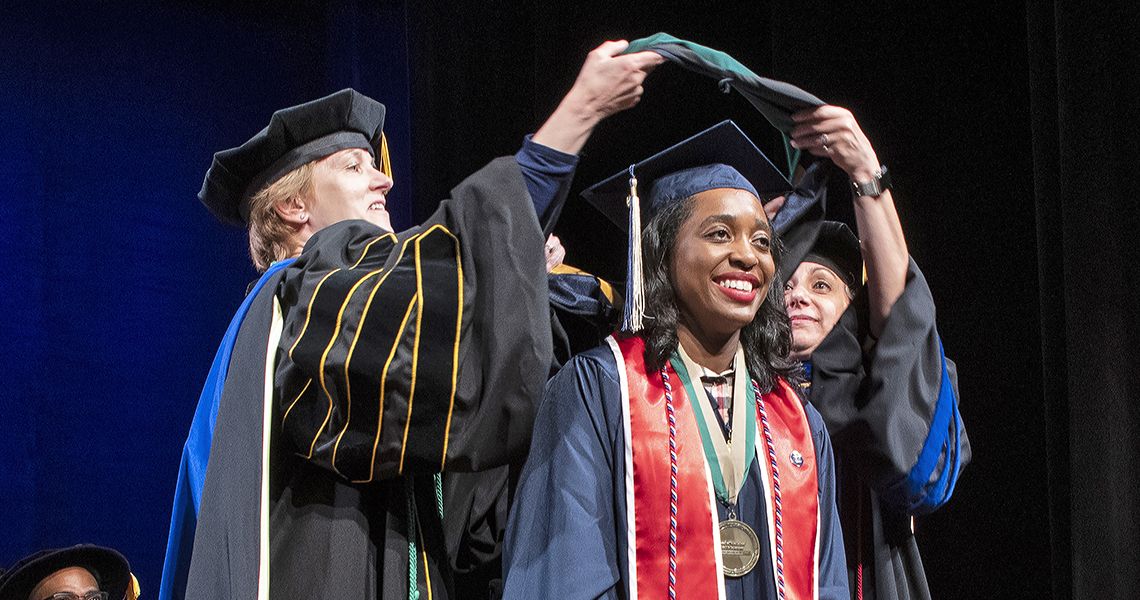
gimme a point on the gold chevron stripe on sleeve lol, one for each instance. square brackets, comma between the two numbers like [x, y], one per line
[325, 355]
[454, 351]
[309, 312]
[332, 341]
[415, 351]
[368, 247]
[348, 361]
[294, 402]
[383, 383]
[416, 343]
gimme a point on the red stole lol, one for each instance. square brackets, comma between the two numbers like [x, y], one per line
[648, 466]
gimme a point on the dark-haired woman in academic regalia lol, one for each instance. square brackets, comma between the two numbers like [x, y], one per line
[677, 460]
[875, 366]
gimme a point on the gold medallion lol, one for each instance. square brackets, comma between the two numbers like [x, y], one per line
[739, 547]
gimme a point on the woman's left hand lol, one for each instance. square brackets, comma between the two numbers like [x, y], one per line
[832, 132]
[555, 253]
[773, 206]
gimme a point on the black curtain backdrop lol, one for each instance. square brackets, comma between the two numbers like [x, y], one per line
[1086, 114]
[1010, 130]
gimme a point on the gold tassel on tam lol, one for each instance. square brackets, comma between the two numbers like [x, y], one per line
[634, 312]
[385, 158]
[133, 590]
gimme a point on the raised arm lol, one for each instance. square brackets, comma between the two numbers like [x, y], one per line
[832, 132]
[419, 351]
[607, 84]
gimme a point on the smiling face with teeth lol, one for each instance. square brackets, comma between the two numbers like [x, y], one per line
[347, 185]
[722, 264]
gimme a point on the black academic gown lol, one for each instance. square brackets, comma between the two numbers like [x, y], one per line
[879, 402]
[477, 504]
[422, 351]
[567, 534]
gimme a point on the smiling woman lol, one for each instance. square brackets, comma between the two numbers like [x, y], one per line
[341, 186]
[815, 298]
[723, 264]
[369, 370]
[346, 185]
[677, 460]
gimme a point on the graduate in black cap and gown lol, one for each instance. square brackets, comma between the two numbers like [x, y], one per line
[366, 362]
[677, 460]
[875, 365]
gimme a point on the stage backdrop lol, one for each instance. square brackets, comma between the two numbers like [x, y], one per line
[117, 283]
[1009, 131]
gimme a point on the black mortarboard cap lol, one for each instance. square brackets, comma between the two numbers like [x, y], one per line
[718, 157]
[295, 136]
[111, 570]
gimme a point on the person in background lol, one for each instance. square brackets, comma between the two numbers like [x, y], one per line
[83, 572]
[875, 367]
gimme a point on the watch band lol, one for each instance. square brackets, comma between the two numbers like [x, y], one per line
[878, 184]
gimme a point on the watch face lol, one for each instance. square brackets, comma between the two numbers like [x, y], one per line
[879, 184]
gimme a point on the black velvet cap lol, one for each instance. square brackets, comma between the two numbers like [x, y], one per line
[295, 136]
[837, 248]
[110, 569]
[723, 143]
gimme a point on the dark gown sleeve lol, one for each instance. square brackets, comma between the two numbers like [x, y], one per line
[583, 312]
[892, 409]
[476, 503]
[548, 174]
[562, 534]
[419, 351]
[582, 309]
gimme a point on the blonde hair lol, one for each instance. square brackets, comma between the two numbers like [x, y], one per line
[270, 237]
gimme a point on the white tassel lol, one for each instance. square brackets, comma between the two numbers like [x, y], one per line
[634, 312]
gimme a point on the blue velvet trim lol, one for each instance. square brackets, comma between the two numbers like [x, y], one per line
[196, 453]
[923, 494]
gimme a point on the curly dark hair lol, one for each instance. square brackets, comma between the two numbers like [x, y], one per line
[767, 340]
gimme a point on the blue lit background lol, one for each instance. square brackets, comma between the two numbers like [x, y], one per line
[117, 284]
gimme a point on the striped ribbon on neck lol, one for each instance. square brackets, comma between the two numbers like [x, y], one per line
[672, 419]
[778, 508]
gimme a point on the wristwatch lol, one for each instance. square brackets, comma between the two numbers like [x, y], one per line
[878, 184]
